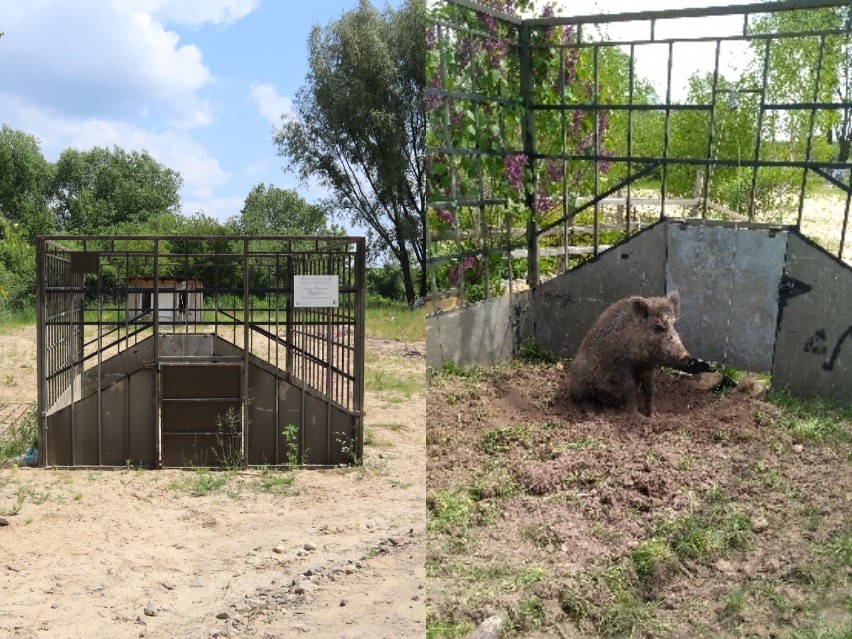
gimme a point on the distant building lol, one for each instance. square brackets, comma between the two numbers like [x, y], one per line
[179, 300]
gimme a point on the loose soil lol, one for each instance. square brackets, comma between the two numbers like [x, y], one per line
[134, 553]
[710, 519]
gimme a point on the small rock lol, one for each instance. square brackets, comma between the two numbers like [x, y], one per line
[4, 521]
[707, 382]
[198, 582]
[168, 585]
[223, 615]
[150, 610]
[54, 605]
[342, 602]
[15, 567]
[310, 546]
[489, 629]
[759, 524]
[798, 448]
[141, 621]
[278, 549]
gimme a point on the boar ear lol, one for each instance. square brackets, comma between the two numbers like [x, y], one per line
[674, 299]
[640, 306]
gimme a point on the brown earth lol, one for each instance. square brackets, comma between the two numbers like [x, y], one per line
[133, 553]
[542, 514]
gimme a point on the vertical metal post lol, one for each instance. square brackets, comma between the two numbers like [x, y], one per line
[158, 373]
[811, 130]
[246, 350]
[666, 132]
[41, 301]
[711, 133]
[528, 132]
[358, 373]
[753, 191]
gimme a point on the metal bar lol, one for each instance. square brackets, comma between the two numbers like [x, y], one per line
[664, 184]
[753, 192]
[809, 144]
[246, 352]
[528, 136]
[711, 128]
[158, 377]
[41, 311]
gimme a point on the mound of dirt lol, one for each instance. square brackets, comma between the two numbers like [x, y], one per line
[709, 517]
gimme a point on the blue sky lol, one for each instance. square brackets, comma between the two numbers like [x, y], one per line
[199, 84]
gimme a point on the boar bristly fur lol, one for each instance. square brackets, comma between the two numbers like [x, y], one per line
[621, 351]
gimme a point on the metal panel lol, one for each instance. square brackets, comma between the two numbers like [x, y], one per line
[289, 412]
[114, 424]
[141, 432]
[813, 351]
[58, 435]
[196, 399]
[262, 424]
[564, 308]
[315, 431]
[728, 281]
[85, 432]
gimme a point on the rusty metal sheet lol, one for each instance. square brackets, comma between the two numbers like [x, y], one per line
[813, 351]
[728, 280]
[563, 309]
[342, 432]
[183, 451]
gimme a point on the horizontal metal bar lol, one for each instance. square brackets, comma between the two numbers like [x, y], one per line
[196, 400]
[689, 12]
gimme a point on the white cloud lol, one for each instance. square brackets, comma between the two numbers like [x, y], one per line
[220, 208]
[271, 105]
[101, 59]
[197, 12]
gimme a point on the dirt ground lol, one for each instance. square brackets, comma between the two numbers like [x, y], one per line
[718, 517]
[134, 553]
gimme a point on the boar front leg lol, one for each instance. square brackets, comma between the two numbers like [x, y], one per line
[646, 379]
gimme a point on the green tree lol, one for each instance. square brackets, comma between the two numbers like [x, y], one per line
[360, 126]
[98, 189]
[17, 268]
[792, 74]
[269, 210]
[25, 183]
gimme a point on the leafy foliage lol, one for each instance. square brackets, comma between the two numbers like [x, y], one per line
[360, 128]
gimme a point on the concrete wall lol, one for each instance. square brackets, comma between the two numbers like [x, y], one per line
[563, 309]
[728, 282]
[757, 298]
[813, 351]
[480, 334]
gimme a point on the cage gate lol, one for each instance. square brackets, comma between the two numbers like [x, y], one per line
[176, 351]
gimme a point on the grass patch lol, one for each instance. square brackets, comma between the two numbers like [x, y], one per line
[813, 420]
[10, 319]
[19, 438]
[502, 439]
[439, 629]
[201, 481]
[397, 383]
[276, 482]
[394, 320]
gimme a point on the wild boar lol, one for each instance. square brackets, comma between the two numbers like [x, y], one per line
[620, 352]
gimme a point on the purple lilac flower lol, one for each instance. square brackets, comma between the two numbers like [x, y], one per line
[571, 66]
[453, 275]
[568, 34]
[433, 101]
[604, 165]
[431, 37]
[446, 216]
[544, 203]
[515, 170]
[603, 123]
[578, 122]
[554, 171]
[548, 12]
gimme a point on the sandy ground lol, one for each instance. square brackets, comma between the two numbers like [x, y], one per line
[132, 553]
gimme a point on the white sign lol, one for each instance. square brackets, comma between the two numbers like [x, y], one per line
[315, 290]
